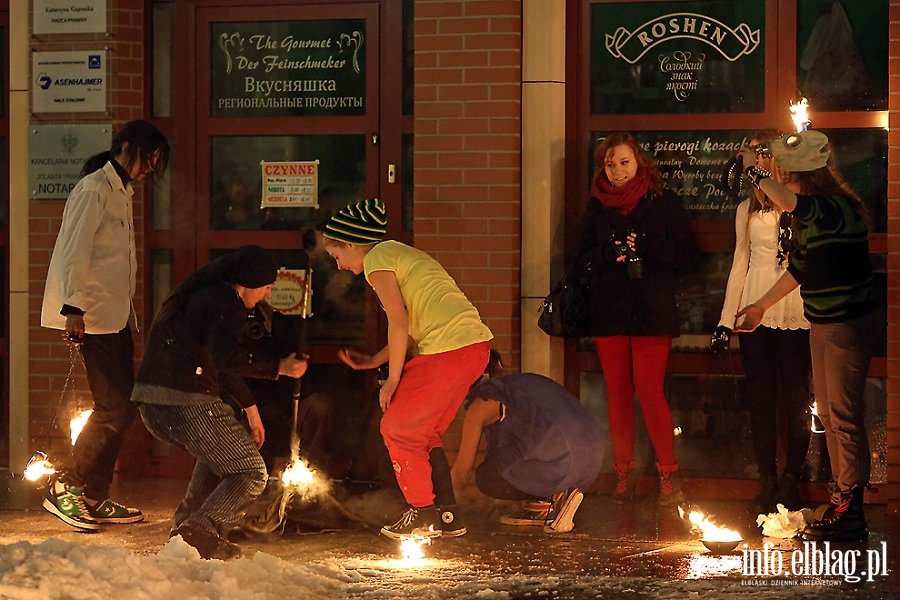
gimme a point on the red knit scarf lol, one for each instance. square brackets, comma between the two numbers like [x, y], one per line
[623, 198]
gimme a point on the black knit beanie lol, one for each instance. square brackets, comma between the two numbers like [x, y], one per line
[251, 267]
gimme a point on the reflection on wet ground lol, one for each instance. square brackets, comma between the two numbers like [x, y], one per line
[639, 550]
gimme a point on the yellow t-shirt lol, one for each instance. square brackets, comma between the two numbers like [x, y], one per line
[441, 318]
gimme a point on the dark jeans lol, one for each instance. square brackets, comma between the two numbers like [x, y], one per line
[777, 366]
[841, 353]
[109, 363]
[229, 473]
[491, 483]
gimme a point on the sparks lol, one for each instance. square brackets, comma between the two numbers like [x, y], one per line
[413, 552]
[38, 466]
[709, 531]
[298, 475]
[799, 116]
[78, 423]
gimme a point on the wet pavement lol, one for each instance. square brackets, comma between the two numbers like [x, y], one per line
[639, 550]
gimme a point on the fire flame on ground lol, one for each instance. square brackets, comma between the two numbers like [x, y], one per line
[709, 531]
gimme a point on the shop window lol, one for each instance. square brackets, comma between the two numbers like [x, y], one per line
[162, 263]
[236, 179]
[677, 57]
[861, 157]
[712, 428]
[162, 208]
[163, 51]
[842, 54]
[288, 68]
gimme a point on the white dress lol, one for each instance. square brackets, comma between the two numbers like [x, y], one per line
[755, 269]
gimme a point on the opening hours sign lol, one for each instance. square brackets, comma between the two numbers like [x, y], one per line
[294, 183]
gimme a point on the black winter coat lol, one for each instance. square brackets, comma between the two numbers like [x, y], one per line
[202, 346]
[635, 307]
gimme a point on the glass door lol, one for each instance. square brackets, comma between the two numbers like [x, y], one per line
[276, 118]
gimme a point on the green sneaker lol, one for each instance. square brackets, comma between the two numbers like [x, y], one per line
[67, 503]
[113, 512]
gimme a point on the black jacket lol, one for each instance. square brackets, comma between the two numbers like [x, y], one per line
[621, 305]
[200, 346]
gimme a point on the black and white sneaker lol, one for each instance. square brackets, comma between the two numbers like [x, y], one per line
[452, 524]
[415, 522]
[563, 511]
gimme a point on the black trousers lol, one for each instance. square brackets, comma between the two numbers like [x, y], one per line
[777, 368]
[109, 363]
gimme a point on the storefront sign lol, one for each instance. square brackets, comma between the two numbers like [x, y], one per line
[290, 294]
[288, 68]
[666, 57]
[69, 81]
[56, 154]
[69, 16]
[691, 165]
[290, 184]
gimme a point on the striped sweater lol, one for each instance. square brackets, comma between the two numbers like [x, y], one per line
[832, 264]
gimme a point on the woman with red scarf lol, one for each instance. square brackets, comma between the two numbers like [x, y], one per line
[635, 234]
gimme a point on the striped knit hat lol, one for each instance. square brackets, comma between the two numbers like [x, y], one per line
[362, 223]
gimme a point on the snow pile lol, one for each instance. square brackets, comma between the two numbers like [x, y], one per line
[57, 569]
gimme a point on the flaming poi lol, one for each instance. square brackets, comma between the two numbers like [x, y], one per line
[709, 531]
[38, 466]
[78, 423]
[799, 115]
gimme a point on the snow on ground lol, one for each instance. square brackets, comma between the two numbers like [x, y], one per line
[56, 569]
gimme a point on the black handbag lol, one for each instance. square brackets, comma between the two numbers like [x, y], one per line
[565, 311]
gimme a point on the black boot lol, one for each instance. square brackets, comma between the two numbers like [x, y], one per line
[452, 523]
[844, 523]
[764, 502]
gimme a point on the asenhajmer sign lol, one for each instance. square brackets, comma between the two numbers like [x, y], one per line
[69, 81]
[814, 563]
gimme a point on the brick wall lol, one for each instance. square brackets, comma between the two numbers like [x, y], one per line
[49, 359]
[468, 157]
[468, 152]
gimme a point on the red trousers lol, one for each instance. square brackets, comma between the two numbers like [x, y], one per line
[637, 365]
[431, 390]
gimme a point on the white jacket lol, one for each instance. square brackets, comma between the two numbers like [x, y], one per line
[94, 264]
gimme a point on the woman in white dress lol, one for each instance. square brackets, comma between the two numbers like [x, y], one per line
[776, 355]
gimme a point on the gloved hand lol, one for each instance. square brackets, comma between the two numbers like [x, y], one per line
[721, 339]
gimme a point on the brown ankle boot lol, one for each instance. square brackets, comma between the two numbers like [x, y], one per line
[624, 485]
[669, 485]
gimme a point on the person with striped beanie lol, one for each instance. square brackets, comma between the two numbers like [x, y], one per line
[429, 316]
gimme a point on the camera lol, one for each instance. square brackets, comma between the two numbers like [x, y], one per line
[634, 264]
[255, 328]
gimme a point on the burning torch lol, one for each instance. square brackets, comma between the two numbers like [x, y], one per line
[40, 465]
[732, 176]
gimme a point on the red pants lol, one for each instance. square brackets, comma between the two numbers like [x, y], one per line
[637, 365]
[432, 388]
